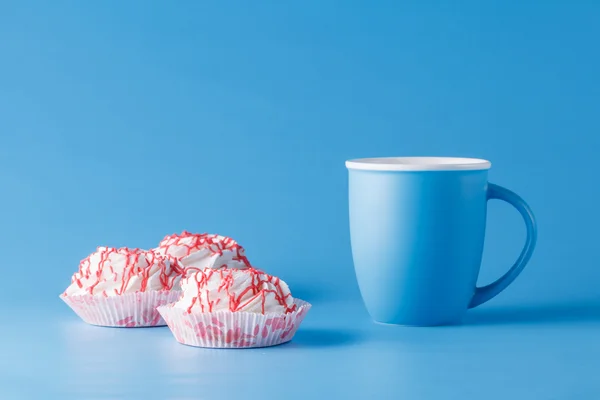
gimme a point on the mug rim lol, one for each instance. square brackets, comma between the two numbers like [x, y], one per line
[418, 164]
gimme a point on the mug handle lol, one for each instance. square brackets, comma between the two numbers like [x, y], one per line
[485, 293]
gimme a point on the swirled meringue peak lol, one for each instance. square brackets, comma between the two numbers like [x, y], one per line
[111, 271]
[199, 251]
[235, 290]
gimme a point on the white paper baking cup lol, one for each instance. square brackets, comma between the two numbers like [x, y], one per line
[225, 329]
[129, 310]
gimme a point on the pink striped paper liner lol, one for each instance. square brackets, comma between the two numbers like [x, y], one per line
[225, 329]
[130, 310]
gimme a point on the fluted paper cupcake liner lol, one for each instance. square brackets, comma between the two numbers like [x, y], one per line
[129, 310]
[225, 329]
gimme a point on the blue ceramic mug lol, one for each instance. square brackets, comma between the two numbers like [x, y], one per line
[417, 227]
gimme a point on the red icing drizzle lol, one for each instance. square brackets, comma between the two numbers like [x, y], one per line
[258, 280]
[134, 266]
[193, 242]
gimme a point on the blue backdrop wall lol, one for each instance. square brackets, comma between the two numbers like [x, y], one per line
[121, 122]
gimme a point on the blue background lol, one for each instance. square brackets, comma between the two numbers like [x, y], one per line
[121, 122]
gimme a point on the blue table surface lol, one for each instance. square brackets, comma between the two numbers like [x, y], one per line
[539, 351]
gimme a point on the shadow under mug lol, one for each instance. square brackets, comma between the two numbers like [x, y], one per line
[417, 227]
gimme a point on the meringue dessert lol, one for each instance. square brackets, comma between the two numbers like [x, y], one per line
[234, 290]
[230, 304]
[123, 287]
[113, 271]
[203, 250]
